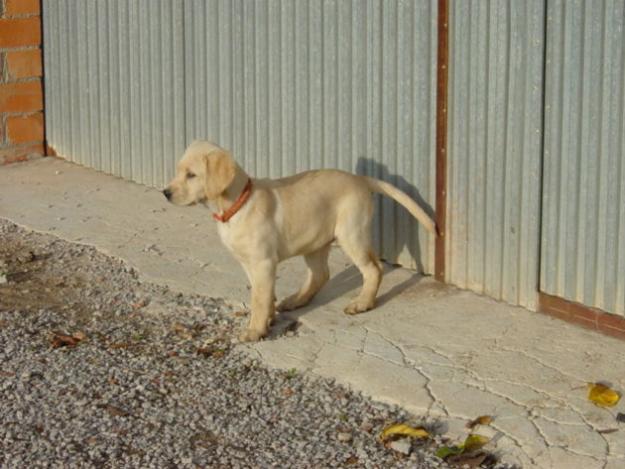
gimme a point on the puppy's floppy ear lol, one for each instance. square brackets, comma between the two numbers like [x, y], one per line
[220, 172]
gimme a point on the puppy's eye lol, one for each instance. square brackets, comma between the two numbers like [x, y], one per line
[190, 175]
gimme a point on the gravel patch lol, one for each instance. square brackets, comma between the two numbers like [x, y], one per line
[98, 369]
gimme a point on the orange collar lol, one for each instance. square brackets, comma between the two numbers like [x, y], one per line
[236, 206]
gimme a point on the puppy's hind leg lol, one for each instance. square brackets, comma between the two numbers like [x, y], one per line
[318, 275]
[356, 242]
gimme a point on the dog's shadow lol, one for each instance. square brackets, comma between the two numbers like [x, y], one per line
[342, 287]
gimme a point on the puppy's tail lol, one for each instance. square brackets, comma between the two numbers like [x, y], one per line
[404, 199]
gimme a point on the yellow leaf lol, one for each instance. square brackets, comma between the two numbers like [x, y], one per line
[482, 420]
[403, 430]
[602, 395]
[474, 442]
[446, 451]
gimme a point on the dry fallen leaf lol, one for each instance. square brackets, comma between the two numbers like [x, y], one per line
[120, 345]
[602, 396]
[402, 429]
[472, 443]
[470, 460]
[446, 451]
[116, 411]
[482, 420]
[63, 340]
[182, 331]
[211, 351]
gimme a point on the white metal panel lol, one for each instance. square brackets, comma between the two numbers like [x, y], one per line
[494, 149]
[114, 85]
[583, 234]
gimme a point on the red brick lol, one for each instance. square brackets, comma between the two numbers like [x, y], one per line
[550, 302]
[612, 325]
[19, 32]
[611, 321]
[22, 129]
[556, 313]
[582, 314]
[20, 153]
[21, 7]
[617, 333]
[592, 318]
[23, 63]
[21, 97]
[582, 321]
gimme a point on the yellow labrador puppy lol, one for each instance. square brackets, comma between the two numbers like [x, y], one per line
[263, 222]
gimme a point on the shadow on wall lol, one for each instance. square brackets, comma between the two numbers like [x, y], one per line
[404, 233]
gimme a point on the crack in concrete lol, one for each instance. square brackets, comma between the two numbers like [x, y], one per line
[541, 363]
[412, 364]
[562, 401]
[409, 363]
[515, 441]
[481, 384]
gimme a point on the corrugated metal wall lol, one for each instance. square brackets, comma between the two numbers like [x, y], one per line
[114, 84]
[292, 85]
[286, 85]
[494, 147]
[583, 234]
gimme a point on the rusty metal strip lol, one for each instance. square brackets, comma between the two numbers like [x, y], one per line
[441, 137]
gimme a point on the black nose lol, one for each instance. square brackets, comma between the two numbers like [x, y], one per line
[167, 193]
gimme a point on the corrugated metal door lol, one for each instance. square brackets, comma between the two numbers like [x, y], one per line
[583, 216]
[494, 142]
[287, 85]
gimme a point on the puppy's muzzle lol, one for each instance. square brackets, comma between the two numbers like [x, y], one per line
[167, 193]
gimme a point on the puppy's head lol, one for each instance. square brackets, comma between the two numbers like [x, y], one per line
[204, 173]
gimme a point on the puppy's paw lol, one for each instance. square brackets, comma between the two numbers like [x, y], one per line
[358, 306]
[251, 335]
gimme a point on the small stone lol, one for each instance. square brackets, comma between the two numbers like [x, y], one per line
[25, 256]
[366, 426]
[401, 446]
[344, 437]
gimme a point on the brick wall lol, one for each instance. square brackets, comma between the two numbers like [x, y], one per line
[21, 91]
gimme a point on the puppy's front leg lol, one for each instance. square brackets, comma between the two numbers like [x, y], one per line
[263, 278]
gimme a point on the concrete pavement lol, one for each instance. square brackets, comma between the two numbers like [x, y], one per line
[437, 351]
